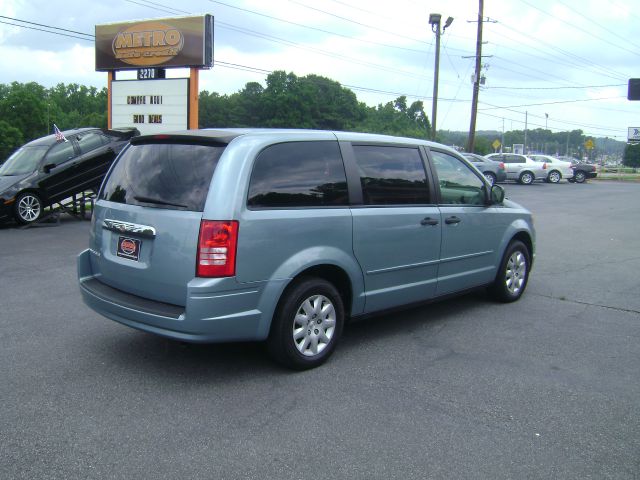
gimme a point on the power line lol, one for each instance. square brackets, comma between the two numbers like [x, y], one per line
[46, 26]
[47, 31]
[554, 103]
[253, 12]
[582, 30]
[557, 88]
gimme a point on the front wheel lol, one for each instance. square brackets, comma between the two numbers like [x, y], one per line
[491, 178]
[513, 274]
[554, 177]
[28, 208]
[307, 324]
[526, 178]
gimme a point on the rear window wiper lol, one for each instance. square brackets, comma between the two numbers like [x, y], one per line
[157, 201]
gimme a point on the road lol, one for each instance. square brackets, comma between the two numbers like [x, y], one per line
[547, 387]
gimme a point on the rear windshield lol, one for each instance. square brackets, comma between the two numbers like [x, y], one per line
[172, 176]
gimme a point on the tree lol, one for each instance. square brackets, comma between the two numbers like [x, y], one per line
[10, 139]
[632, 155]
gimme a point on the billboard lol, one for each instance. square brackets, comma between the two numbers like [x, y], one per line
[633, 134]
[164, 42]
[152, 106]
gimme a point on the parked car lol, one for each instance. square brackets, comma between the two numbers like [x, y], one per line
[283, 235]
[556, 169]
[582, 171]
[47, 170]
[493, 171]
[520, 168]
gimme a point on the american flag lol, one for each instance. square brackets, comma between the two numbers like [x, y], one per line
[59, 135]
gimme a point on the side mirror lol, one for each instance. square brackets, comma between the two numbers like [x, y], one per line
[496, 195]
[48, 167]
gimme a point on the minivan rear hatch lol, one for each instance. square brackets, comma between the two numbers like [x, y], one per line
[148, 213]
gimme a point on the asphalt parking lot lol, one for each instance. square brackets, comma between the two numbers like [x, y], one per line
[547, 387]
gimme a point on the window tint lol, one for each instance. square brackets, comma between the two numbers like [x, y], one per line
[89, 141]
[458, 184]
[60, 153]
[514, 159]
[391, 175]
[172, 176]
[299, 174]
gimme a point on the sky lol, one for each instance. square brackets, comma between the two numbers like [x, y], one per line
[556, 64]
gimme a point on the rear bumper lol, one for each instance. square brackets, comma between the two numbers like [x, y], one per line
[216, 310]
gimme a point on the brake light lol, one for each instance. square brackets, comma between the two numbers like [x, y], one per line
[501, 165]
[217, 245]
[544, 166]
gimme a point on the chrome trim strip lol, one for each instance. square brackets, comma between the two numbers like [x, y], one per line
[125, 227]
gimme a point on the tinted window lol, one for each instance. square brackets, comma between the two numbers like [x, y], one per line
[299, 174]
[391, 175]
[458, 184]
[173, 176]
[514, 159]
[60, 153]
[89, 141]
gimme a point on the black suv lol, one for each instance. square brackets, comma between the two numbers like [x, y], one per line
[48, 170]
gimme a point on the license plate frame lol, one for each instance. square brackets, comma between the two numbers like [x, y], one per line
[129, 248]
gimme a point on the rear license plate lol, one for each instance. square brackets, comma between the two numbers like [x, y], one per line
[129, 248]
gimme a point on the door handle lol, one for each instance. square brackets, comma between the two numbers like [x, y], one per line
[452, 220]
[429, 221]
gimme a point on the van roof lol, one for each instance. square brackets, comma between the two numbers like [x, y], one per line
[226, 135]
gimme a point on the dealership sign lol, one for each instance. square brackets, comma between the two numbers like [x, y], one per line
[166, 42]
[634, 134]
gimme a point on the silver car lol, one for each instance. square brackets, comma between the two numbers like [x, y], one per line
[556, 169]
[283, 235]
[521, 168]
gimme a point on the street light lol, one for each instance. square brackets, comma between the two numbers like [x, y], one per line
[435, 20]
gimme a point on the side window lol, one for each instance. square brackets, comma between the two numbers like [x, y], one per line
[391, 175]
[89, 141]
[299, 174]
[458, 184]
[60, 153]
[514, 159]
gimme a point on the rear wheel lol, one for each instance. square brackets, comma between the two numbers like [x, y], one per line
[307, 324]
[526, 178]
[513, 274]
[28, 208]
[554, 177]
[580, 176]
[491, 178]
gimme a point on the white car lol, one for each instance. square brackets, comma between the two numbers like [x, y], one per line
[520, 168]
[556, 169]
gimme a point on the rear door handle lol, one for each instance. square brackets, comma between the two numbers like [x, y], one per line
[452, 220]
[429, 221]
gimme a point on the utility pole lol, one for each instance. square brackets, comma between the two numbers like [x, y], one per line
[476, 80]
[526, 120]
[502, 141]
[434, 20]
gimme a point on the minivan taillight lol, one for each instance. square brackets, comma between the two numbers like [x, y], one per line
[217, 248]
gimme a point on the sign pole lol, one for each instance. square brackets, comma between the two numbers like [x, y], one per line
[193, 98]
[111, 75]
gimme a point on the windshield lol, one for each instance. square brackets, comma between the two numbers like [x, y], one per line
[24, 160]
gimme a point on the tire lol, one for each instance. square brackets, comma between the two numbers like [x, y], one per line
[310, 316]
[28, 208]
[491, 178]
[526, 178]
[579, 176]
[513, 274]
[554, 177]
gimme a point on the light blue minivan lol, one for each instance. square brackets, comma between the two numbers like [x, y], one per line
[283, 235]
